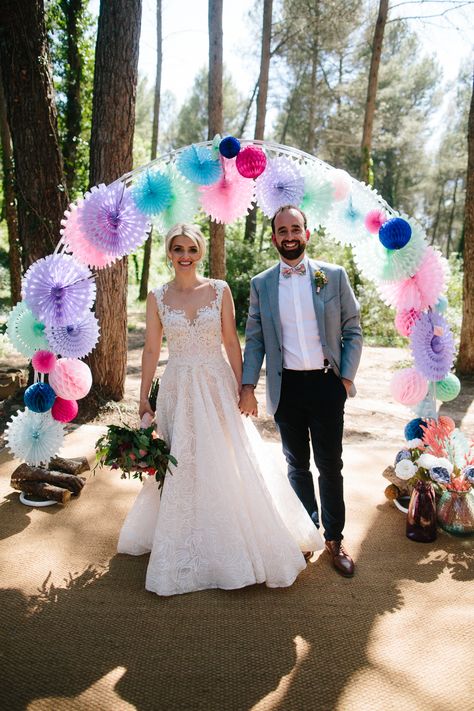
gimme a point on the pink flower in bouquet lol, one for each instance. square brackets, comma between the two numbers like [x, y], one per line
[142, 452]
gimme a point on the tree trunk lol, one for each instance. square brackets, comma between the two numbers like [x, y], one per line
[27, 82]
[217, 268]
[113, 122]
[366, 146]
[154, 146]
[251, 219]
[311, 135]
[449, 236]
[9, 202]
[73, 118]
[465, 362]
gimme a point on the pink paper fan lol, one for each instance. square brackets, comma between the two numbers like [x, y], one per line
[75, 241]
[422, 290]
[230, 198]
[405, 320]
[408, 386]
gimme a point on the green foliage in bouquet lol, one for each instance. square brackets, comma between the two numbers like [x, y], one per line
[155, 386]
[135, 452]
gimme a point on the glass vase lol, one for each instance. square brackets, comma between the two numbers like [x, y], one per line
[421, 516]
[456, 512]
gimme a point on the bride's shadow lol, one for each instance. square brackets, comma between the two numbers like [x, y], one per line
[214, 649]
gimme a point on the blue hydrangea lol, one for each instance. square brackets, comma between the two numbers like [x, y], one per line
[440, 475]
[402, 454]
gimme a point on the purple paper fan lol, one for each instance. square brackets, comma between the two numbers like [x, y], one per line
[432, 346]
[76, 340]
[58, 289]
[280, 184]
[111, 221]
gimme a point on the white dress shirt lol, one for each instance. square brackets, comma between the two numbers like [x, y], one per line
[301, 344]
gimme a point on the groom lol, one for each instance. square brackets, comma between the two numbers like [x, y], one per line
[304, 318]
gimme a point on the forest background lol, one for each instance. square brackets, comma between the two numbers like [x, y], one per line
[319, 58]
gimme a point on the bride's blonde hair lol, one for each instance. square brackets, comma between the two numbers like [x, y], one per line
[183, 230]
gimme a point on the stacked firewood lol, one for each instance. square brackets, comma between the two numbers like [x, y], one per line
[58, 482]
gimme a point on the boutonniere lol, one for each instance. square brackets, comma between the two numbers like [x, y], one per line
[320, 279]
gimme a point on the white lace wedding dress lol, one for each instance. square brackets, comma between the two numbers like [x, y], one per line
[221, 522]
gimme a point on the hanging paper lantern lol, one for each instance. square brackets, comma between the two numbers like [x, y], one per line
[374, 220]
[413, 429]
[229, 147]
[318, 197]
[64, 410]
[75, 241]
[76, 340]
[395, 233]
[197, 165]
[152, 192]
[280, 184]
[408, 386]
[184, 202]
[441, 305]
[71, 379]
[39, 397]
[43, 361]
[432, 345]
[251, 162]
[388, 265]
[422, 290]
[230, 198]
[34, 437]
[448, 388]
[342, 183]
[405, 320]
[58, 289]
[111, 221]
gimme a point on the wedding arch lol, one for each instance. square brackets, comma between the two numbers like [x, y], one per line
[55, 325]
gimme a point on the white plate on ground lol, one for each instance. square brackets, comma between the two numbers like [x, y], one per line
[35, 502]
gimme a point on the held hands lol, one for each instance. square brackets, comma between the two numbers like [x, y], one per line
[248, 404]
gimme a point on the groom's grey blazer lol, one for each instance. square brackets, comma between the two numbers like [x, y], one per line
[337, 316]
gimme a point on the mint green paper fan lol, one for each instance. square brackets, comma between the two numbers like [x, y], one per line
[12, 322]
[31, 334]
[318, 196]
[184, 201]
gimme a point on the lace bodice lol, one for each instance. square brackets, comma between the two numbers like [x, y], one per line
[197, 340]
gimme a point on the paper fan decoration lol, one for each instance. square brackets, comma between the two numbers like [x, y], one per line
[386, 265]
[58, 289]
[422, 290]
[408, 386]
[152, 192]
[280, 184]
[75, 241]
[198, 166]
[251, 162]
[34, 437]
[374, 220]
[432, 346]
[71, 379]
[345, 222]
[405, 320]
[318, 197]
[25, 333]
[184, 201]
[230, 198]
[76, 340]
[342, 183]
[111, 221]
[39, 397]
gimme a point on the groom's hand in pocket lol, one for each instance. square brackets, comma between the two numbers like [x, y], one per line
[248, 404]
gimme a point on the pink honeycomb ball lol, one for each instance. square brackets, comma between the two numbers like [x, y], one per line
[71, 379]
[251, 162]
[64, 410]
[408, 386]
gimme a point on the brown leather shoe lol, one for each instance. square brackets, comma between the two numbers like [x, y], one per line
[341, 559]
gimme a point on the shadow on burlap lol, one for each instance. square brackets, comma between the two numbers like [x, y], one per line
[80, 632]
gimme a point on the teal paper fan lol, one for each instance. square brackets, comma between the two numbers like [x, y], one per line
[26, 333]
[184, 201]
[34, 437]
[318, 196]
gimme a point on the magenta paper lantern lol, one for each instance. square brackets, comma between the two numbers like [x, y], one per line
[374, 220]
[251, 162]
[71, 379]
[43, 361]
[408, 386]
[64, 410]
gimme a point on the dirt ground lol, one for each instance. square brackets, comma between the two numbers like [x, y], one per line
[371, 415]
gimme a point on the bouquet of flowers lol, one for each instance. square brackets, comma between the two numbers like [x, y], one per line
[442, 455]
[135, 451]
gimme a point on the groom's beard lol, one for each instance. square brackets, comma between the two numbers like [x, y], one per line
[291, 253]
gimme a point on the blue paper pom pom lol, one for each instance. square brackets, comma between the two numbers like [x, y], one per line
[152, 192]
[197, 165]
[413, 429]
[39, 397]
[395, 233]
[229, 147]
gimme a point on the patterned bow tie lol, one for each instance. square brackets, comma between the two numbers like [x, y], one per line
[299, 269]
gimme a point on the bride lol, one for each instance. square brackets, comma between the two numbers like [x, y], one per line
[227, 516]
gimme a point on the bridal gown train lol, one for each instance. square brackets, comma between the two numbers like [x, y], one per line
[227, 516]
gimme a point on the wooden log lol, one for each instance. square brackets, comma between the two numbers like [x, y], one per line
[69, 466]
[59, 479]
[45, 490]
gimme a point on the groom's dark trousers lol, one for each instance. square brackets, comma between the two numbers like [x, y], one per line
[312, 405]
